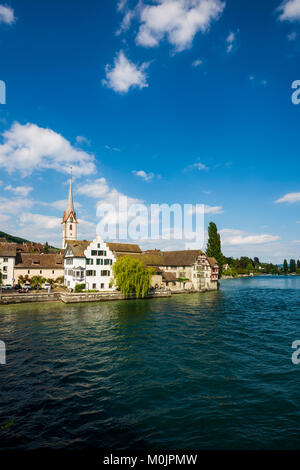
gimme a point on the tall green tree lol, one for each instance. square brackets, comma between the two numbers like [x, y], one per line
[298, 264]
[285, 267]
[292, 266]
[213, 248]
[132, 277]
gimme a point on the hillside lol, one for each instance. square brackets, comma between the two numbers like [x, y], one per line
[11, 238]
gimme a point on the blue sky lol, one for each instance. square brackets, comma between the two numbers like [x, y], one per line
[164, 101]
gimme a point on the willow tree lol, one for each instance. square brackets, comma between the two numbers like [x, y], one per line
[132, 277]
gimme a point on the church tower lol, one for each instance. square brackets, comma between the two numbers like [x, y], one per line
[69, 222]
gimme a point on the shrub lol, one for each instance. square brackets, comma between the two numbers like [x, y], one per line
[79, 287]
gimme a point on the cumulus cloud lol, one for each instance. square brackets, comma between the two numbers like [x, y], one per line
[290, 10]
[95, 189]
[6, 15]
[40, 220]
[238, 237]
[143, 175]
[124, 74]
[19, 190]
[14, 206]
[178, 21]
[28, 147]
[290, 198]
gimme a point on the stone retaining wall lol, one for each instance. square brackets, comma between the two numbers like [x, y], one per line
[104, 296]
[26, 298]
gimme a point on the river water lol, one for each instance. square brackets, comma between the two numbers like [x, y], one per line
[198, 371]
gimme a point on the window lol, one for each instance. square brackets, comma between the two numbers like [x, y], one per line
[41, 272]
[98, 245]
[5, 269]
[91, 273]
[28, 271]
[106, 261]
[105, 273]
[69, 261]
[52, 271]
[5, 260]
[94, 253]
[70, 227]
[102, 286]
[89, 261]
[4, 276]
[98, 261]
[94, 286]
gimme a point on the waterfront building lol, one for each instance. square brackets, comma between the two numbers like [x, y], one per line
[90, 262]
[49, 266]
[7, 262]
[182, 269]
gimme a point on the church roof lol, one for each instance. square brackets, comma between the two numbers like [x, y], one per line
[70, 205]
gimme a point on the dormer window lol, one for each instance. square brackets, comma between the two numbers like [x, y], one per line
[71, 219]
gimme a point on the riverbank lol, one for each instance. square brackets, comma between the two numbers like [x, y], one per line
[68, 298]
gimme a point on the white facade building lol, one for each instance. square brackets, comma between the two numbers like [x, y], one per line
[7, 263]
[89, 263]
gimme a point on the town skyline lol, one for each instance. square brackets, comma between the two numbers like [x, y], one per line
[161, 114]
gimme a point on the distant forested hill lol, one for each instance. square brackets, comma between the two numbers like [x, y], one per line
[11, 238]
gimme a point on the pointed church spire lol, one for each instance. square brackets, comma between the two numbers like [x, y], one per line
[70, 205]
[69, 222]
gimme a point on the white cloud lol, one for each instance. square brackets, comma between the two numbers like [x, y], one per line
[143, 175]
[126, 22]
[14, 206]
[113, 149]
[19, 190]
[47, 222]
[238, 237]
[6, 15]
[95, 189]
[213, 209]
[290, 10]
[124, 74]
[176, 20]
[80, 139]
[290, 198]
[198, 166]
[231, 41]
[28, 147]
[197, 63]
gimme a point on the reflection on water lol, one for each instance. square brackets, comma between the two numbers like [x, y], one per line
[193, 371]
